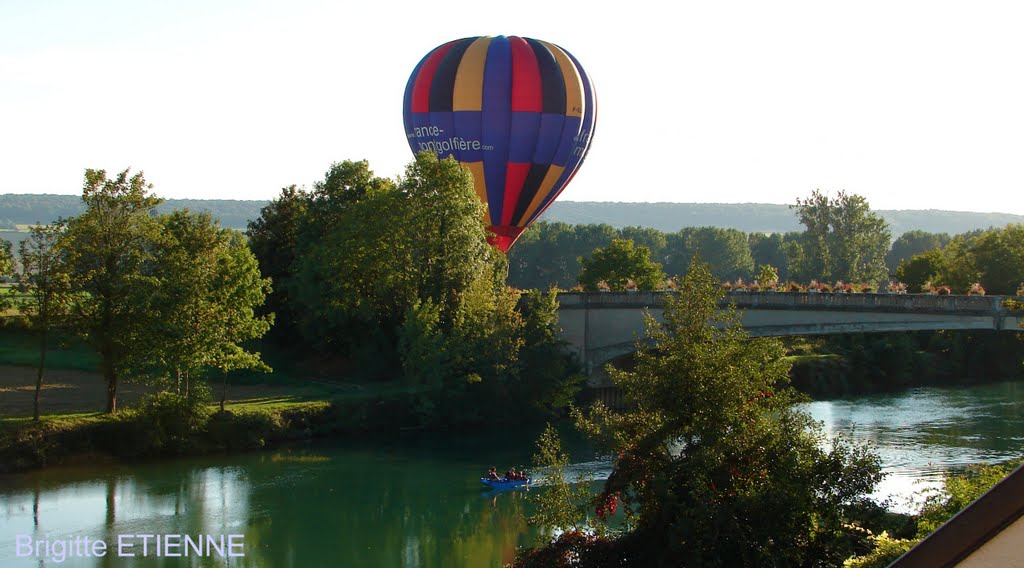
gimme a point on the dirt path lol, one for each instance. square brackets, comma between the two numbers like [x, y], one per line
[64, 391]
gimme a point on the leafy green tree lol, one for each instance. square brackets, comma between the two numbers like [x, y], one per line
[769, 249]
[392, 248]
[6, 258]
[843, 239]
[921, 269]
[549, 374]
[713, 462]
[913, 243]
[344, 184]
[46, 289]
[656, 241]
[727, 250]
[273, 238]
[444, 237]
[238, 291]
[617, 264]
[108, 251]
[998, 256]
[340, 275]
[960, 267]
[7, 268]
[210, 291]
[560, 505]
[422, 346]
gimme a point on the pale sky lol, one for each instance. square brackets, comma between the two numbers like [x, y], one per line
[913, 104]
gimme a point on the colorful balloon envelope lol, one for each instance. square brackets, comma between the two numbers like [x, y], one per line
[516, 112]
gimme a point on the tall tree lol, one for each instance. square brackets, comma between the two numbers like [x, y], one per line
[393, 247]
[713, 462]
[46, 287]
[619, 263]
[209, 293]
[843, 240]
[273, 238]
[109, 252]
[332, 222]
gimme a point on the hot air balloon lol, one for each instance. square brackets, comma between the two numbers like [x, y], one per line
[516, 112]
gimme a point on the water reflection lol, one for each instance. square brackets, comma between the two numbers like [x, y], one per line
[298, 507]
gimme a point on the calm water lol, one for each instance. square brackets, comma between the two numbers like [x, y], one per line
[417, 502]
[923, 432]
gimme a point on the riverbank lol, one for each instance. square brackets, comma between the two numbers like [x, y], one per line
[258, 415]
[860, 364]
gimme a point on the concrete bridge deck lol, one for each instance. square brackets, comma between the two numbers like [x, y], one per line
[600, 326]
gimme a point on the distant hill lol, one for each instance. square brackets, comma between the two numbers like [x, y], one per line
[27, 209]
[749, 217]
[756, 217]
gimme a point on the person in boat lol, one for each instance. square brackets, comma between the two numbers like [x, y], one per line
[492, 473]
[510, 475]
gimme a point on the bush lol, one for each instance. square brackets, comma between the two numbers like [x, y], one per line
[243, 431]
[886, 550]
[163, 423]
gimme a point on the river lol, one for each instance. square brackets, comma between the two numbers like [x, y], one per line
[414, 501]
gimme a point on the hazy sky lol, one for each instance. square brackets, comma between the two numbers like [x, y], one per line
[913, 104]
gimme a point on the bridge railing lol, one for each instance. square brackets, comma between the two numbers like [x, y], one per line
[934, 303]
[868, 302]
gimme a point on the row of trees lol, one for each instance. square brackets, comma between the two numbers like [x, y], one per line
[843, 240]
[391, 279]
[160, 298]
[993, 258]
[371, 277]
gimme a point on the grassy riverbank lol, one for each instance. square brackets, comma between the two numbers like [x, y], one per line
[260, 411]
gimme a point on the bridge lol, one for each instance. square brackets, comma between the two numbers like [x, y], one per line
[601, 326]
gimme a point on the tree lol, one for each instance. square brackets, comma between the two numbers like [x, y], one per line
[6, 258]
[727, 250]
[998, 256]
[108, 251]
[237, 291]
[713, 462]
[43, 280]
[209, 294]
[921, 269]
[913, 243]
[769, 249]
[273, 239]
[843, 239]
[619, 263]
[392, 248]
[334, 257]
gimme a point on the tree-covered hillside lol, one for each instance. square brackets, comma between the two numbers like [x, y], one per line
[669, 217]
[26, 209]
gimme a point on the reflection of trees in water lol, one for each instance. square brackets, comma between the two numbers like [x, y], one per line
[399, 515]
[294, 508]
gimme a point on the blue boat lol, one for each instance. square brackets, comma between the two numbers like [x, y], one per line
[502, 484]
